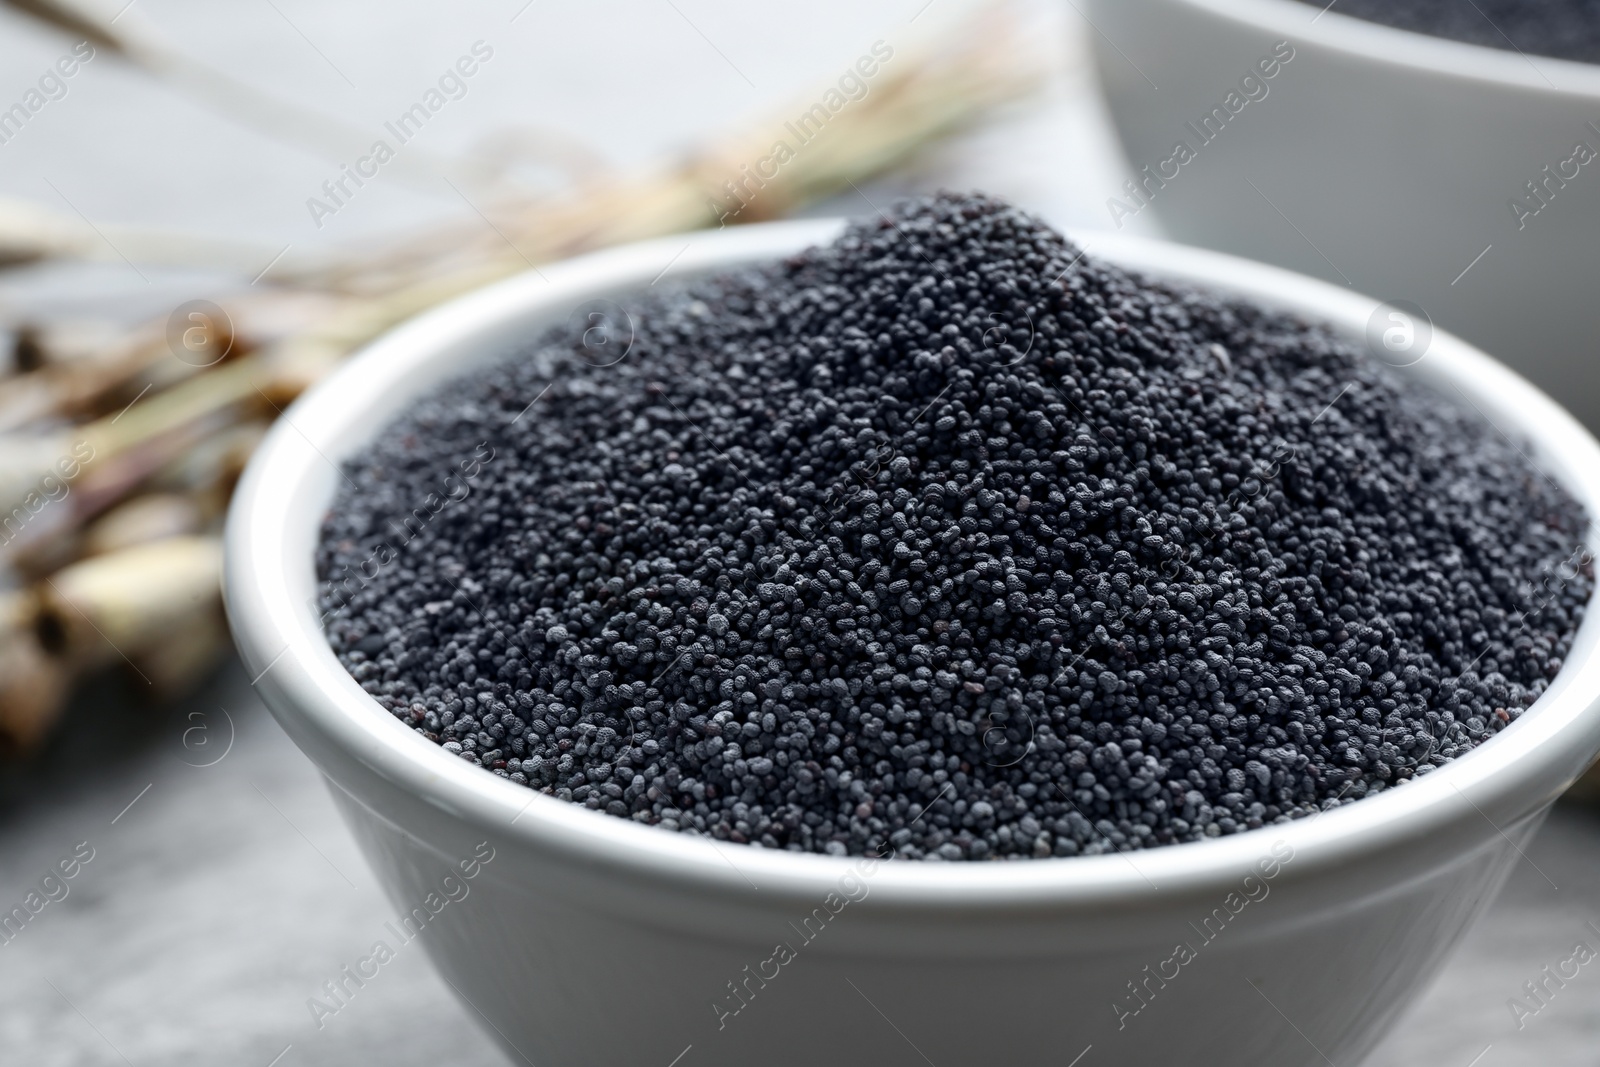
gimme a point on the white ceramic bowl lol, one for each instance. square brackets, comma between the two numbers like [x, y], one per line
[589, 939]
[1379, 158]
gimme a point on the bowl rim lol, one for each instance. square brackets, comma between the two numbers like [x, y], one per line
[1297, 20]
[1510, 777]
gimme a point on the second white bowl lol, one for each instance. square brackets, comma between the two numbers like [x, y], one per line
[1376, 158]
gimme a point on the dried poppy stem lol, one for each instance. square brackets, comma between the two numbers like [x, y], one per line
[124, 603]
[80, 370]
[33, 683]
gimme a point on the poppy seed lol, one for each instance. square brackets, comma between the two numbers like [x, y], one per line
[946, 538]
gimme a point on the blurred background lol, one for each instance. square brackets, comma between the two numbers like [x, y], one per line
[194, 225]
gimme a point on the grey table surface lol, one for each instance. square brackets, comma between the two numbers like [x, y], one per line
[223, 889]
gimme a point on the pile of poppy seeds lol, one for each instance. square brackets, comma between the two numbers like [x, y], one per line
[948, 538]
[1561, 29]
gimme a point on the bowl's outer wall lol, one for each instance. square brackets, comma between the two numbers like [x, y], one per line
[1379, 159]
[564, 983]
[578, 955]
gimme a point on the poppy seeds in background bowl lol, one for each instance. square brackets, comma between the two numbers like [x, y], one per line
[1559, 29]
[950, 538]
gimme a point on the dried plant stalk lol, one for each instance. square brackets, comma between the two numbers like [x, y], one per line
[78, 370]
[33, 683]
[206, 473]
[123, 604]
[71, 370]
[194, 647]
[73, 20]
[141, 520]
